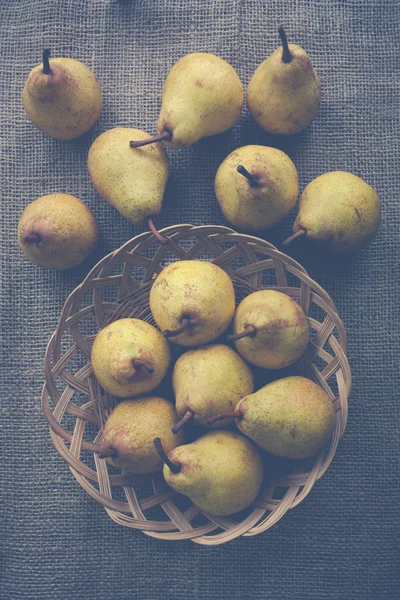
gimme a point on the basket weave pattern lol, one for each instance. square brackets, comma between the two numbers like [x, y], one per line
[76, 407]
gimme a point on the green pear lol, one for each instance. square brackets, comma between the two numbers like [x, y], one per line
[57, 231]
[221, 472]
[62, 97]
[283, 95]
[208, 380]
[291, 417]
[192, 301]
[132, 180]
[130, 430]
[270, 329]
[338, 210]
[130, 357]
[256, 187]
[202, 96]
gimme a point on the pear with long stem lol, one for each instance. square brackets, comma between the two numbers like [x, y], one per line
[283, 95]
[62, 97]
[202, 96]
[221, 472]
[291, 417]
[132, 180]
[207, 380]
[256, 187]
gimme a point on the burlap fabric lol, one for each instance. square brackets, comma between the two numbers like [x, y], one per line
[342, 542]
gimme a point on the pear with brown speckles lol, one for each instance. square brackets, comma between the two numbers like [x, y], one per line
[291, 417]
[256, 187]
[221, 472]
[130, 357]
[339, 211]
[202, 96]
[62, 97]
[57, 231]
[270, 329]
[130, 430]
[192, 302]
[283, 95]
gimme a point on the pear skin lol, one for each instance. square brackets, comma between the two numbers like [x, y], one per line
[262, 198]
[221, 472]
[195, 298]
[291, 417]
[202, 96]
[57, 231]
[130, 357]
[130, 430]
[280, 331]
[210, 380]
[132, 180]
[283, 95]
[64, 99]
[340, 211]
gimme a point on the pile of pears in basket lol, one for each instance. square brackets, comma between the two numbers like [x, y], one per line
[193, 303]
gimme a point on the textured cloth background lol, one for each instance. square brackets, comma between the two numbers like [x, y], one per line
[342, 542]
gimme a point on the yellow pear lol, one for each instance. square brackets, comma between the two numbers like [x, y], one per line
[283, 95]
[338, 210]
[130, 357]
[202, 96]
[192, 302]
[130, 430]
[256, 187]
[57, 231]
[132, 180]
[270, 329]
[291, 417]
[221, 472]
[208, 380]
[62, 97]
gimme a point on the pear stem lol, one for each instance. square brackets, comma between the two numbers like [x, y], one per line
[164, 136]
[141, 364]
[46, 62]
[157, 234]
[286, 56]
[248, 331]
[186, 417]
[227, 415]
[252, 180]
[173, 333]
[175, 468]
[293, 237]
[32, 238]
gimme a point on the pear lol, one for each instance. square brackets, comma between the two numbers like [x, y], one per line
[202, 96]
[256, 187]
[338, 210]
[130, 430]
[130, 357]
[57, 231]
[131, 180]
[209, 380]
[221, 472]
[283, 95]
[291, 417]
[192, 302]
[62, 97]
[270, 329]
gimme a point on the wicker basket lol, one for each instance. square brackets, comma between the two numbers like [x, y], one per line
[76, 407]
